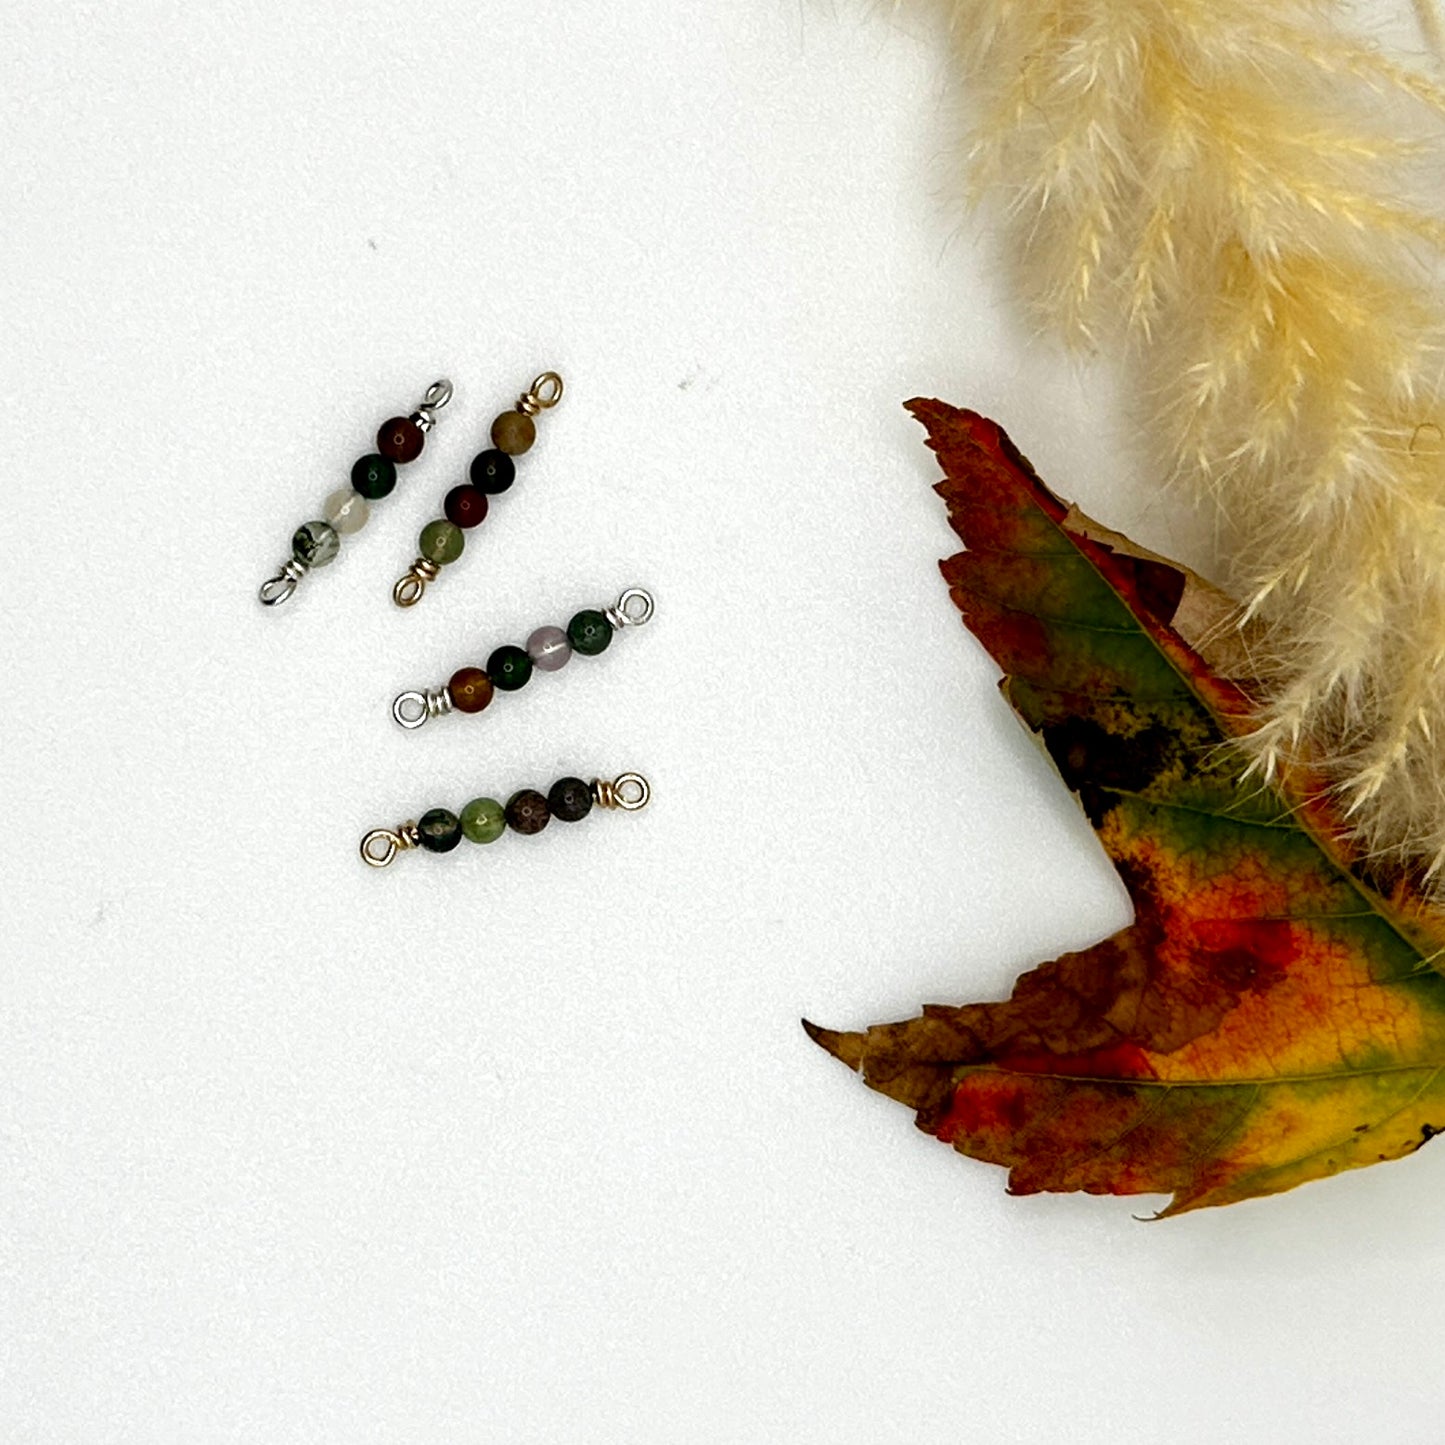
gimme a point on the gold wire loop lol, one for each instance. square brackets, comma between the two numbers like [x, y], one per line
[543, 394]
[391, 841]
[410, 585]
[628, 791]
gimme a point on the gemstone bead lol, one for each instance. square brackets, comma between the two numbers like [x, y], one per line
[466, 505]
[401, 439]
[492, 471]
[483, 820]
[439, 831]
[589, 632]
[549, 649]
[514, 432]
[314, 544]
[527, 811]
[509, 668]
[346, 510]
[471, 689]
[442, 541]
[569, 799]
[373, 476]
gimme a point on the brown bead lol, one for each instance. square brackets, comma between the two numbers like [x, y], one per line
[527, 811]
[471, 689]
[466, 505]
[514, 432]
[400, 439]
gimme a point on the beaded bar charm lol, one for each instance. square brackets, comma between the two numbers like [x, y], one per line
[373, 476]
[484, 820]
[548, 649]
[491, 473]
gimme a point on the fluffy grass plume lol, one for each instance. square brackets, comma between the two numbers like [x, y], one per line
[1231, 190]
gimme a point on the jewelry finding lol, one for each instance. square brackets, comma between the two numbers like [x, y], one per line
[548, 649]
[484, 820]
[492, 471]
[345, 510]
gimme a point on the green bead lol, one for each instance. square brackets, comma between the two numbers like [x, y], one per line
[509, 668]
[483, 820]
[442, 541]
[374, 476]
[589, 633]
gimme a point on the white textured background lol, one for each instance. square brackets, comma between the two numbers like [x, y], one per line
[525, 1144]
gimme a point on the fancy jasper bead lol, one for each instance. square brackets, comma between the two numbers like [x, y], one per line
[400, 439]
[466, 506]
[549, 649]
[589, 632]
[442, 541]
[439, 831]
[492, 471]
[527, 811]
[514, 432]
[471, 689]
[569, 799]
[483, 820]
[373, 476]
[509, 668]
[314, 544]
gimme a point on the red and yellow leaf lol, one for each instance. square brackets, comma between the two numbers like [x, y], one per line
[1270, 1016]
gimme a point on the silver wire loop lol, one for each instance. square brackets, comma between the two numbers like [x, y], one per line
[275, 590]
[632, 609]
[412, 709]
[410, 585]
[627, 791]
[438, 394]
[543, 394]
[381, 845]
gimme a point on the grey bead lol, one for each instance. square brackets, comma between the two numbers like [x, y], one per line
[549, 649]
[315, 544]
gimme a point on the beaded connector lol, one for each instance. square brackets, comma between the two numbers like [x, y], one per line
[491, 473]
[484, 820]
[315, 544]
[548, 649]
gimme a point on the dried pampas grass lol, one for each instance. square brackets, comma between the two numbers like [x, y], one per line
[1230, 189]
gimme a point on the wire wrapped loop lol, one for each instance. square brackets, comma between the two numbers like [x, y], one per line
[275, 590]
[381, 845]
[412, 709]
[628, 791]
[632, 609]
[543, 394]
[410, 585]
[438, 394]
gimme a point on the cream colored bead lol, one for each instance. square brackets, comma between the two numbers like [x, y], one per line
[347, 511]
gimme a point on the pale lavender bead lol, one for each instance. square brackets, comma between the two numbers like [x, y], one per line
[548, 648]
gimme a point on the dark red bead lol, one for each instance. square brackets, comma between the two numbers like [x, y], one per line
[400, 439]
[466, 506]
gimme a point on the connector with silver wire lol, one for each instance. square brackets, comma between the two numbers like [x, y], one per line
[470, 689]
[373, 476]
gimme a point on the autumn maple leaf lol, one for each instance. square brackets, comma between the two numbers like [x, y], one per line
[1270, 1016]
